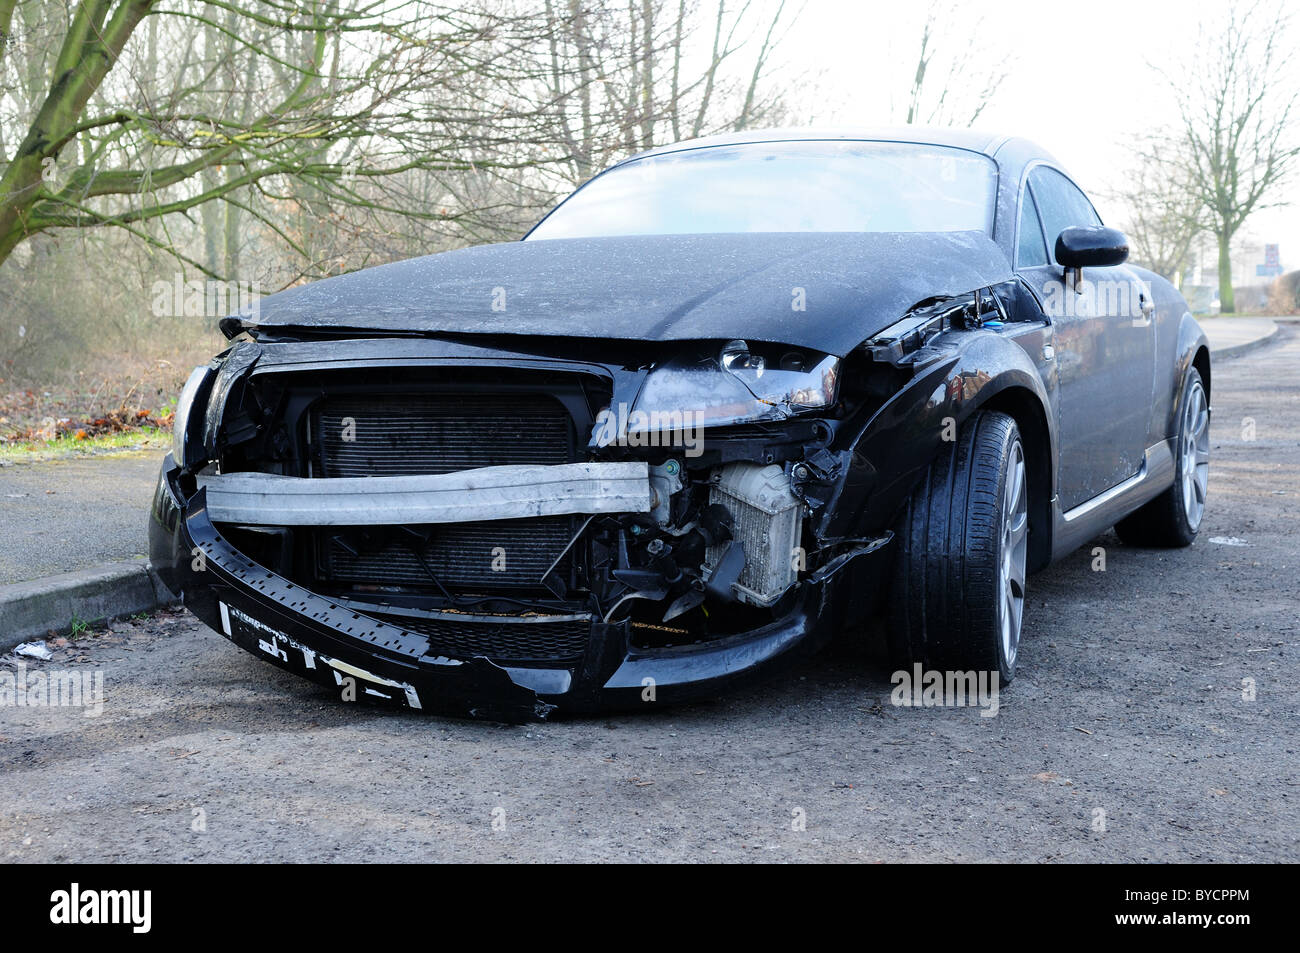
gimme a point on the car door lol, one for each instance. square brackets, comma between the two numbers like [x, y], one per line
[1103, 338]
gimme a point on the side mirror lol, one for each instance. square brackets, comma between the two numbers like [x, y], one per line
[1091, 246]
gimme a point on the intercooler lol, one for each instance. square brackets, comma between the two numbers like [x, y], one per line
[412, 434]
[766, 522]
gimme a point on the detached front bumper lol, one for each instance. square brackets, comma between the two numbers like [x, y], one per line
[335, 643]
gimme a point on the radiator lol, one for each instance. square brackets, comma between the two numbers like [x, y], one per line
[437, 433]
[503, 554]
[416, 434]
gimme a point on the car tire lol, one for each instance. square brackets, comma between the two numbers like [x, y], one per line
[1174, 517]
[958, 590]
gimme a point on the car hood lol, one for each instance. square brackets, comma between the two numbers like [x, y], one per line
[827, 291]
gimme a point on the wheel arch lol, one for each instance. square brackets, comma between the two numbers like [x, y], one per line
[1201, 361]
[988, 371]
[1192, 350]
[1023, 406]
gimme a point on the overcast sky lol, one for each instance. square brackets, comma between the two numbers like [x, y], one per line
[1078, 80]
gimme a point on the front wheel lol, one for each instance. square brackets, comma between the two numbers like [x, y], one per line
[1174, 517]
[959, 575]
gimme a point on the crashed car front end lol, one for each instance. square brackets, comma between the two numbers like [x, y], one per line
[506, 532]
[574, 473]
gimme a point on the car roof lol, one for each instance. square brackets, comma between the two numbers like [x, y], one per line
[970, 139]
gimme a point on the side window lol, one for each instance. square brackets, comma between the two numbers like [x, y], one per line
[1061, 203]
[1030, 250]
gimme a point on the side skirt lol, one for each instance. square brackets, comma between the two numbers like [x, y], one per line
[1076, 526]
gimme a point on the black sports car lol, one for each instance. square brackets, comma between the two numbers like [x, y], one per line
[731, 397]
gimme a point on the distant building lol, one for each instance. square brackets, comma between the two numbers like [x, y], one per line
[1249, 257]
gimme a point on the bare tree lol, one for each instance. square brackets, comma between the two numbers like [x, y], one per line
[1165, 213]
[394, 86]
[969, 83]
[304, 137]
[627, 78]
[272, 140]
[1235, 107]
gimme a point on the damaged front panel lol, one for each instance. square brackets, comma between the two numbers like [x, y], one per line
[497, 489]
[563, 508]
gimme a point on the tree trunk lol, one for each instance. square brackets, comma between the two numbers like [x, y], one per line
[92, 45]
[233, 241]
[210, 218]
[1227, 301]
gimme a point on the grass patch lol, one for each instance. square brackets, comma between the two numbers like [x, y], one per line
[79, 627]
[27, 451]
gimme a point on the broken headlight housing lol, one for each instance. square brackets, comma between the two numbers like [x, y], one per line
[192, 393]
[793, 380]
[742, 384]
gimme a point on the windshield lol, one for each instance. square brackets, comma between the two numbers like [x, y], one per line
[818, 186]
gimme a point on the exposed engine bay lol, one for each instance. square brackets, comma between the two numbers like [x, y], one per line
[448, 509]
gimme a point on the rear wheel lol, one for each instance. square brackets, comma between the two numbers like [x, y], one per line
[1174, 517]
[959, 573]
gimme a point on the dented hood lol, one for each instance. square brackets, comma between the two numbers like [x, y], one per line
[826, 291]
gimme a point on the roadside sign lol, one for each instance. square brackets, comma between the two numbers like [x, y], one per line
[1272, 263]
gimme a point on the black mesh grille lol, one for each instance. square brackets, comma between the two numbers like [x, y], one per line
[436, 433]
[506, 553]
[505, 640]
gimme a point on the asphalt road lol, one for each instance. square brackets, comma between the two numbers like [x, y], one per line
[67, 514]
[1128, 736]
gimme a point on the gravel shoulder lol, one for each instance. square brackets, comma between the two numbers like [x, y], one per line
[1130, 703]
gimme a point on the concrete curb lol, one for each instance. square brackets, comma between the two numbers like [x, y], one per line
[1237, 350]
[30, 610]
